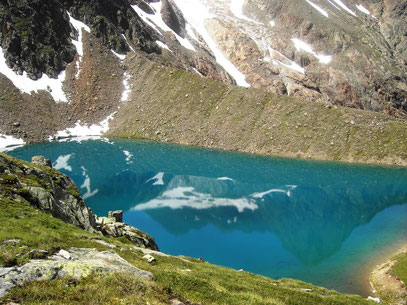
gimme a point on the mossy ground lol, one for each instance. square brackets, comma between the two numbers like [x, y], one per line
[170, 105]
[179, 278]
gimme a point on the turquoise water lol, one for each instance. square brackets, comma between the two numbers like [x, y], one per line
[320, 222]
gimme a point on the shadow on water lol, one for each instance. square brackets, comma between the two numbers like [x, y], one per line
[277, 217]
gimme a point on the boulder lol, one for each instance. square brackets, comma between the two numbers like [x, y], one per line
[75, 263]
[41, 160]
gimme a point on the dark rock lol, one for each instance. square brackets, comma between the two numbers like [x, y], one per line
[37, 254]
[40, 160]
[116, 215]
[173, 17]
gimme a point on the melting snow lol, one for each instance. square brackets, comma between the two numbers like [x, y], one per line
[287, 192]
[62, 163]
[84, 130]
[236, 6]
[78, 25]
[189, 9]
[26, 85]
[293, 65]
[120, 56]
[363, 9]
[333, 5]
[319, 9]
[127, 90]
[9, 142]
[187, 197]
[158, 179]
[156, 20]
[162, 45]
[340, 3]
[301, 45]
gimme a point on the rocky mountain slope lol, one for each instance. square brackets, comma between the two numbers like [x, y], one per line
[68, 64]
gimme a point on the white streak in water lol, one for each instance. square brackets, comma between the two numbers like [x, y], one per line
[225, 179]
[158, 179]
[62, 163]
[86, 185]
[187, 197]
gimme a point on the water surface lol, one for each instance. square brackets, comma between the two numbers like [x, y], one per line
[325, 223]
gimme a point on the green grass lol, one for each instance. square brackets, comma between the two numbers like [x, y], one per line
[400, 268]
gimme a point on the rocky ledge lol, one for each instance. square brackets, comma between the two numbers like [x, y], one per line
[55, 193]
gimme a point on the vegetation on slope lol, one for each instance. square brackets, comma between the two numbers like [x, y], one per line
[176, 106]
[175, 278]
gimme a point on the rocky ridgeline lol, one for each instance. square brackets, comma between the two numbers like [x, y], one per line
[55, 193]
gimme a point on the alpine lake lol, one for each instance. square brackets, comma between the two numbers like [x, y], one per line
[321, 222]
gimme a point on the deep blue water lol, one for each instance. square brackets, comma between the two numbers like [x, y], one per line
[321, 222]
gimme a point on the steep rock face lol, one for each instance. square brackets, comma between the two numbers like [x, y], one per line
[36, 37]
[47, 189]
[53, 192]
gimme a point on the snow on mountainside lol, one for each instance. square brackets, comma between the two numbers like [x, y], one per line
[341, 52]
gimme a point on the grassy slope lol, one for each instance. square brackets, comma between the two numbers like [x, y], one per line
[176, 106]
[174, 277]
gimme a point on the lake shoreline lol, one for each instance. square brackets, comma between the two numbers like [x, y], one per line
[383, 282]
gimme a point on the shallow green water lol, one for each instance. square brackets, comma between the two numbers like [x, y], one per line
[320, 222]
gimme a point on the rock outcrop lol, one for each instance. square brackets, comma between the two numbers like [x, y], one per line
[76, 263]
[55, 193]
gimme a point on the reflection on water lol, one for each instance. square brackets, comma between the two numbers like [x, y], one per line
[278, 217]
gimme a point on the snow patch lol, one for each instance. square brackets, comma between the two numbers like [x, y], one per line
[79, 26]
[162, 45]
[127, 90]
[197, 71]
[84, 130]
[120, 56]
[158, 179]
[189, 9]
[9, 142]
[301, 45]
[338, 8]
[342, 5]
[319, 9]
[377, 300]
[272, 23]
[62, 163]
[26, 85]
[156, 21]
[292, 65]
[187, 197]
[236, 7]
[363, 9]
